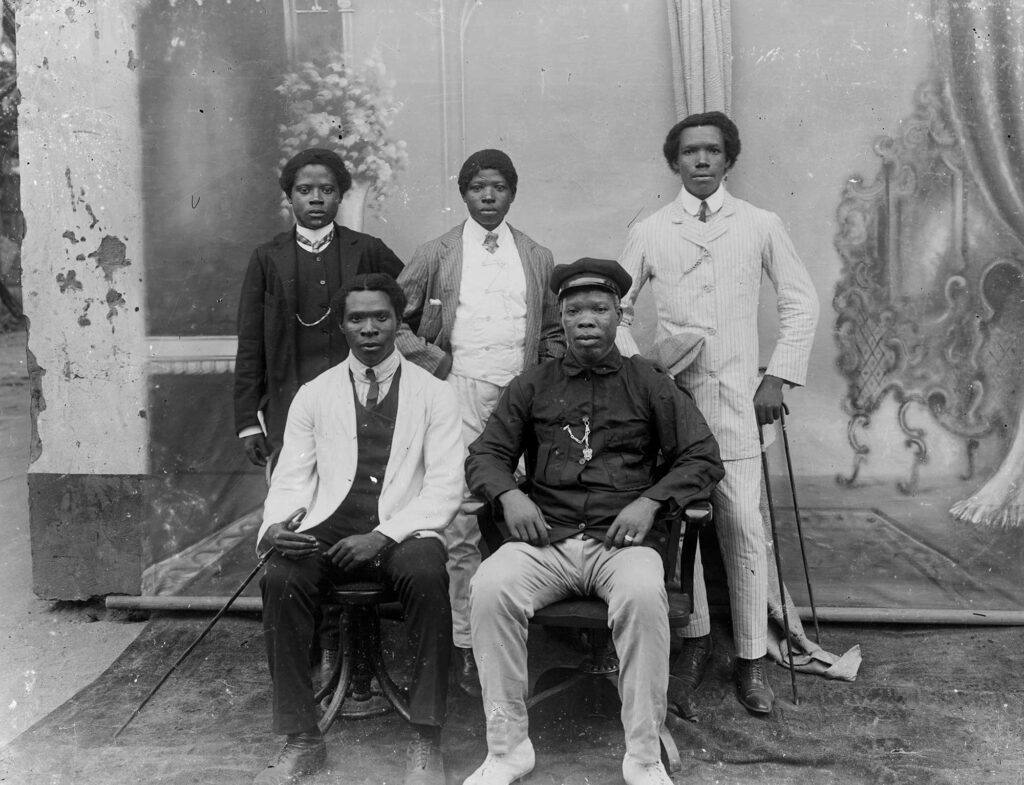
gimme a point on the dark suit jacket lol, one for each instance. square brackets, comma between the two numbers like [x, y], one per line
[266, 370]
[432, 282]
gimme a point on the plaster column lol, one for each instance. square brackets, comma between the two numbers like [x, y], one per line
[83, 289]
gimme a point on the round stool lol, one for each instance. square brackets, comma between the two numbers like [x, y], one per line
[360, 606]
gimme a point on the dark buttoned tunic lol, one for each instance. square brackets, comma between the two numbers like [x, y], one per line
[647, 438]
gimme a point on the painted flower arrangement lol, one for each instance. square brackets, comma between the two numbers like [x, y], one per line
[349, 108]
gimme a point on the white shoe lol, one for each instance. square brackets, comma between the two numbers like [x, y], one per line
[636, 773]
[506, 768]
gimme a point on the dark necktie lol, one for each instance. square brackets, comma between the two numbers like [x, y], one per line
[491, 242]
[702, 216]
[374, 393]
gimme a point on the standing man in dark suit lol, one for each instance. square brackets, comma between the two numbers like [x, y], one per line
[284, 328]
[479, 312]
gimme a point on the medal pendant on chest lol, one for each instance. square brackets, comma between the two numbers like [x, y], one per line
[583, 441]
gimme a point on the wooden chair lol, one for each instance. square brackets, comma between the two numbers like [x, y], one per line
[592, 686]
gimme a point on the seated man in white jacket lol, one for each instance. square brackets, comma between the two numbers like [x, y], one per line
[373, 449]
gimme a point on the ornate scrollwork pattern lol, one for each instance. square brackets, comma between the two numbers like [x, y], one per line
[917, 312]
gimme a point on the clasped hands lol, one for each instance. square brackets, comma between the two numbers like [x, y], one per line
[349, 553]
[525, 521]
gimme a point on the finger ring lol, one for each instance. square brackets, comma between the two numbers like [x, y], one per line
[629, 538]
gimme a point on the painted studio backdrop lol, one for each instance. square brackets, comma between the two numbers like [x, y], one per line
[886, 135]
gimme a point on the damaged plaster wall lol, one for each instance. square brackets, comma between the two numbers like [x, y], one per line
[83, 287]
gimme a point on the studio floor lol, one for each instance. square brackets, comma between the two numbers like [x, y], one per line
[932, 706]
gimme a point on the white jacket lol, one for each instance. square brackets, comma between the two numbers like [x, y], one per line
[422, 486]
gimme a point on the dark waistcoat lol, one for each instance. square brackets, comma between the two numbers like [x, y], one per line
[375, 427]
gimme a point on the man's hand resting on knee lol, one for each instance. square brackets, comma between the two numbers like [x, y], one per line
[356, 550]
[632, 523]
[523, 518]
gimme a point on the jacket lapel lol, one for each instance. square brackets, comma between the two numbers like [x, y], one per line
[532, 270]
[284, 260]
[450, 272]
[345, 412]
[411, 398]
[348, 258]
[699, 234]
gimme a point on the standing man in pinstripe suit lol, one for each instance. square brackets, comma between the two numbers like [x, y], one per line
[479, 312]
[704, 255]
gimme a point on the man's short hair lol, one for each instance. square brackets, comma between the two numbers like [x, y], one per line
[370, 282]
[730, 136]
[488, 159]
[315, 155]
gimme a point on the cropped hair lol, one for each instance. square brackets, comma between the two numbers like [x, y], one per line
[315, 155]
[730, 137]
[488, 159]
[370, 282]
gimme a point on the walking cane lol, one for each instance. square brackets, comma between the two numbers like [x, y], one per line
[778, 560]
[799, 525]
[293, 518]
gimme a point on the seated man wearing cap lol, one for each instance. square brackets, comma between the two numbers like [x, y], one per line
[594, 427]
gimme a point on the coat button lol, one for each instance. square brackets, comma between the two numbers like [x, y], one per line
[582, 526]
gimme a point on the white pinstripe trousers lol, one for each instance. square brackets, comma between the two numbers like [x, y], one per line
[738, 524]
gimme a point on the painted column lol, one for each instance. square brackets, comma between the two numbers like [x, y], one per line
[83, 291]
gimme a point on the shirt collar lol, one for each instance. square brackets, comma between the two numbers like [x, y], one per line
[691, 203]
[476, 233]
[383, 370]
[314, 239]
[608, 364]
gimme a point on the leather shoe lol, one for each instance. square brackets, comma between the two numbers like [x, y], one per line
[425, 764]
[303, 753]
[687, 674]
[693, 660]
[466, 675]
[504, 768]
[636, 773]
[752, 687]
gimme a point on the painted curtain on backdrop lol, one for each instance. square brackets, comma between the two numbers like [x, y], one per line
[980, 48]
[701, 37]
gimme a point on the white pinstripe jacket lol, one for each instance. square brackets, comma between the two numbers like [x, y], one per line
[708, 276]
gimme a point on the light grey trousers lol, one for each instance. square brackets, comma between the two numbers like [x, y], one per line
[477, 400]
[519, 578]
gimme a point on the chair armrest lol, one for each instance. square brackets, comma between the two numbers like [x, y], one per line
[697, 516]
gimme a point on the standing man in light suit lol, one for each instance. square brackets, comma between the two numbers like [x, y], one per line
[479, 312]
[372, 449]
[704, 255]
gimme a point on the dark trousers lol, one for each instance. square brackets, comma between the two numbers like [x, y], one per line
[292, 591]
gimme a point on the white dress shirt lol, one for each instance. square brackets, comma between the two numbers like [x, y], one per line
[489, 335]
[384, 371]
[312, 236]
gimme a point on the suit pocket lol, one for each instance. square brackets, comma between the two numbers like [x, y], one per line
[431, 322]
